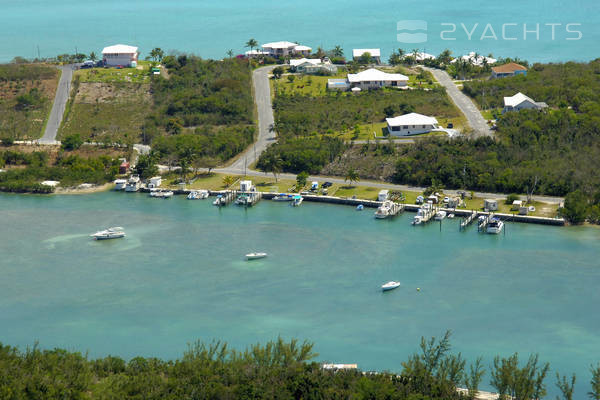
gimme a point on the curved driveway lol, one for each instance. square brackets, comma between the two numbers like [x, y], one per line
[58, 107]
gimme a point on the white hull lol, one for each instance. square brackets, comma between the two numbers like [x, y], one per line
[255, 256]
[440, 215]
[110, 233]
[390, 286]
[198, 195]
[495, 227]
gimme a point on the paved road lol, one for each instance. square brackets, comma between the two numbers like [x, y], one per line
[264, 109]
[58, 107]
[464, 103]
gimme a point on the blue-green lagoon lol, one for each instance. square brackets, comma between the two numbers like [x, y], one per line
[180, 275]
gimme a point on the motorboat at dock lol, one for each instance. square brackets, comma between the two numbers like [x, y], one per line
[283, 197]
[120, 184]
[296, 200]
[198, 195]
[494, 225]
[133, 184]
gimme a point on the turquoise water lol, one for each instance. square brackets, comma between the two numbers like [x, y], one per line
[210, 28]
[179, 276]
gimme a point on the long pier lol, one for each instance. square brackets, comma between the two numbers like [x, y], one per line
[467, 221]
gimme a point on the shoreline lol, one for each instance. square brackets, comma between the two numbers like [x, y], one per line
[86, 190]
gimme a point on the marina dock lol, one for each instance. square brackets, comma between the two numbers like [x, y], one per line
[467, 221]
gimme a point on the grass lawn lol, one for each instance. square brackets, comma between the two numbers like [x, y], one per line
[489, 114]
[140, 74]
[311, 85]
[214, 181]
[541, 209]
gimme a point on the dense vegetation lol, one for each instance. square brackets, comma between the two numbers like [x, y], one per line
[25, 171]
[25, 99]
[278, 370]
[297, 115]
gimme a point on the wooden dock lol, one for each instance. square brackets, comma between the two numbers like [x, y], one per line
[467, 221]
[481, 225]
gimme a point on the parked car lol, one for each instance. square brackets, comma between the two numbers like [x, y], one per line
[326, 185]
[450, 125]
[88, 64]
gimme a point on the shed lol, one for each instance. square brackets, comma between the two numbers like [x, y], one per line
[246, 186]
[124, 167]
[523, 210]
[516, 204]
[383, 195]
[490, 205]
[154, 182]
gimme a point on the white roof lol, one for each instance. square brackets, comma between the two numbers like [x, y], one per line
[516, 100]
[359, 52]
[477, 61]
[120, 49]
[279, 45]
[256, 53]
[313, 61]
[302, 48]
[411, 119]
[423, 56]
[373, 74]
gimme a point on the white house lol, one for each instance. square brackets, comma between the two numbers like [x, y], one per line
[520, 102]
[120, 54]
[375, 54]
[312, 66]
[283, 49]
[373, 78]
[477, 60]
[411, 124]
[256, 53]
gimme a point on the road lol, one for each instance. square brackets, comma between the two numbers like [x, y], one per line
[464, 103]
[58, 107]
[264, 109]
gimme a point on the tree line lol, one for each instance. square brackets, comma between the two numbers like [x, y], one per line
[277, 370]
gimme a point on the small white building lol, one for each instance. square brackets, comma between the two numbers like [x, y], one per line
[120, 54]
[383, 195]
[374, 79]
[374, 53]
[516, 205]
[475, 59]
[283, 49]
[312, 66]
[411, 124]
[520, 102]
[490, 205]
[246, 186]
[154, 182]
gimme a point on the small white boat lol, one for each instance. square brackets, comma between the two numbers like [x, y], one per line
[494, 226]
[110, 233]
[440, 215]
[198, 195]
[167, 194]
[360, 207]
[218, 201]
[283, 197]
[296, 201]
[417, 220]
[390, 286]
[120, 184]
[255, 256]
[384, 210]
[161, 194]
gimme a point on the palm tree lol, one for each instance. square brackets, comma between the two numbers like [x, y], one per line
[415, 53]
[228, 180]
[93, 56]
[157, 54]
[337, 51]
[252, 43]
[230, 53]
[351, 176]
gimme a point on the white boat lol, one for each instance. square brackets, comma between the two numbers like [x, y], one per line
[417, 220]
[390, 286]
[198, 195]
[494, 225]
[360, 207]
[110, 233]
[296, 200]
[120, 184]
[218, 201]
[384, 210]
[255, 256]
[161, 194]
[166, 194]
[440, 215]
[133, 184]
[283, 197]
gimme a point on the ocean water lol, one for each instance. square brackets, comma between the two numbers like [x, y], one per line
[180, 276]
[210, 28]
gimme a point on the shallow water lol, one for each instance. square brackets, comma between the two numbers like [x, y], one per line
[179, 275]
[210, 28]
